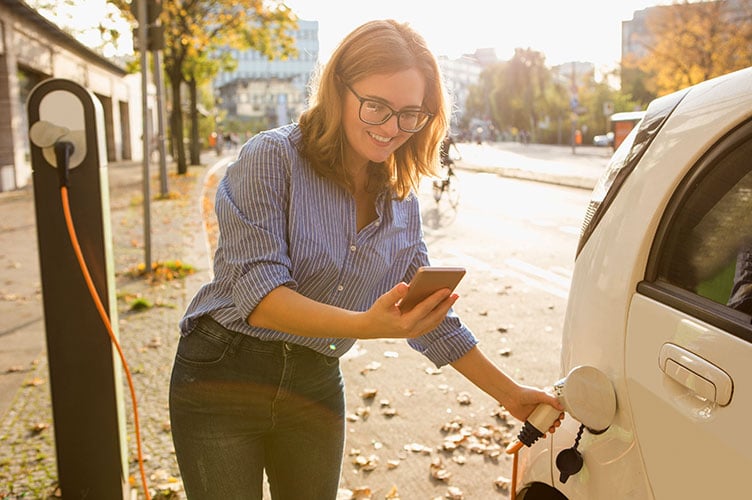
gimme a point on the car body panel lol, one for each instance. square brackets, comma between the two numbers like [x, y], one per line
[608, 326]
[701, 441]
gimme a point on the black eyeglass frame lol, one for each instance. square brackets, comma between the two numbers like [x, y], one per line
[392, 112]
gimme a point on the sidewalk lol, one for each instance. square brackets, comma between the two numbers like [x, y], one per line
[149, 337]
[537, 162]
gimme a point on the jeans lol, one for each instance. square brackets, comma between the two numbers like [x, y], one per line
[240, 405]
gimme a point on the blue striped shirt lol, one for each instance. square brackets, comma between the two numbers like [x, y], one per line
[281, 224]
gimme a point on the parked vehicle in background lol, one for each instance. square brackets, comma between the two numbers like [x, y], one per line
[604, 140]
[661, 302]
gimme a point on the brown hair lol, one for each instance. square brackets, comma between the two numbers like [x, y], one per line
[376, 47]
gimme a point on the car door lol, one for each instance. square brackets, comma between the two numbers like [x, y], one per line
[688, 352]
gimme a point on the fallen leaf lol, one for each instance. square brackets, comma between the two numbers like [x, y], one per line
[464, 398]
[372, 366]
[389, 412]
[34, 382]
[368, 393]
[39, 427]
[454, 493]
[361, 493]
[418, 448]
[393, 494]
[363, 412]
[438, 471]
[503, 483]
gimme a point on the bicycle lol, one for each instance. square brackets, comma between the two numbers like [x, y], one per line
[447, 184]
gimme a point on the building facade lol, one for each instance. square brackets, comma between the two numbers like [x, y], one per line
[32, 50]
[270, 92]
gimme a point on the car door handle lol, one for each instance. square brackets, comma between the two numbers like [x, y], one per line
[697, 374]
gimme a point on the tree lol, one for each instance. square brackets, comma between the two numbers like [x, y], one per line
[197, 29]
[516, 91]
[691, 42]
[101, 29]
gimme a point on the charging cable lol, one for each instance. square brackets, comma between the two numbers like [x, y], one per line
[588, 396]
[537, 424]
[63, 151]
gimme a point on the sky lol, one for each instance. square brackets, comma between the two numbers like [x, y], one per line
[564, 31]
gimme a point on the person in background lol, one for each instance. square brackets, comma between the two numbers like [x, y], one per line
[320, 230]
[445, 157]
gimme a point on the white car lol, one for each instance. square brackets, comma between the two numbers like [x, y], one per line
[661, 303]
[604, 140]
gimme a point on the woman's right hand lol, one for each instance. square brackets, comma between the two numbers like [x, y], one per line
[384, 319]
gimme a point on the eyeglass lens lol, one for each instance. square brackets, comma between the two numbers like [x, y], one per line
[376, 113]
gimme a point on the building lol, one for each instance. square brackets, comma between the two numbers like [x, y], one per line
[32, 49]
[459, 75]
[272, 90]
[262, 102]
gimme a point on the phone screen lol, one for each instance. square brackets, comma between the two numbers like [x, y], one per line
[428, 280]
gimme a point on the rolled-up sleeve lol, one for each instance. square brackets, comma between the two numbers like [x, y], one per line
[451, 339]
[251, 207]
[446, 343]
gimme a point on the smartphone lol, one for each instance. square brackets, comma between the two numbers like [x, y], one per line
[429, 279]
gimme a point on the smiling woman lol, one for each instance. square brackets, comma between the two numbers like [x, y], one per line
[320, 230]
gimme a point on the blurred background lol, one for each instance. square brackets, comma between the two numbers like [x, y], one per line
[540, 71]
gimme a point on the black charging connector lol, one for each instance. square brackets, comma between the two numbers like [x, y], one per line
[63, 152]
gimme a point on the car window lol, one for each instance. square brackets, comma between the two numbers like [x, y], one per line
[704, 247]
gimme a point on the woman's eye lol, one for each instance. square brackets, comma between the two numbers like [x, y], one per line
[374, 107]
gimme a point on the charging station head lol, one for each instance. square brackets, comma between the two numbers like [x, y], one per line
[45, 135]
[589, 397]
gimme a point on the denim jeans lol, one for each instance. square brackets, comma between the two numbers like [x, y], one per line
[239, 406]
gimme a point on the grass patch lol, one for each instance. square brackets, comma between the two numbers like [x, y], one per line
[162, 271]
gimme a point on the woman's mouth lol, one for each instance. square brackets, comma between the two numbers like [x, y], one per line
[380, 138]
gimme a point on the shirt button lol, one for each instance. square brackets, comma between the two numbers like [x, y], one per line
[340, 288]
[353, 248]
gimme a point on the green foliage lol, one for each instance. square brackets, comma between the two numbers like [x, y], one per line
[196, 36]
[689, 42]
[524, 94]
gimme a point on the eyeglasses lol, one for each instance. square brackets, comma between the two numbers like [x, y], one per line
[375, 112]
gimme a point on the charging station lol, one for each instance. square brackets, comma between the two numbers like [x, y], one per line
[85, 373]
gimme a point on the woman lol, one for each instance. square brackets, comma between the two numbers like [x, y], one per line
[319, 231]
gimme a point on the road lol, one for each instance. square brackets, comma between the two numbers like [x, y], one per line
[517, 239]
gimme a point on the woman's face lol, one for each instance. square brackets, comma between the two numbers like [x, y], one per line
[400, 91]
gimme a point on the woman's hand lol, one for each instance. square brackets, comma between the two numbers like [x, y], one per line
[384, 319]
[527, 399]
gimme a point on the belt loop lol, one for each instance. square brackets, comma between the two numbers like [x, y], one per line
[235, 343]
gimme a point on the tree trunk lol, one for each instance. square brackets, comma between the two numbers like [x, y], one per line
[195, 143]
[176, 125]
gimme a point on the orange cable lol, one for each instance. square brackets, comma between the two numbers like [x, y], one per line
[106, 321]
[513, 495]
[513, 449]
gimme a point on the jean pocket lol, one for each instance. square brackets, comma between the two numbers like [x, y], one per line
[197, 348]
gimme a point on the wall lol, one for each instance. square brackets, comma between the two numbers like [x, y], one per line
[31, 50]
